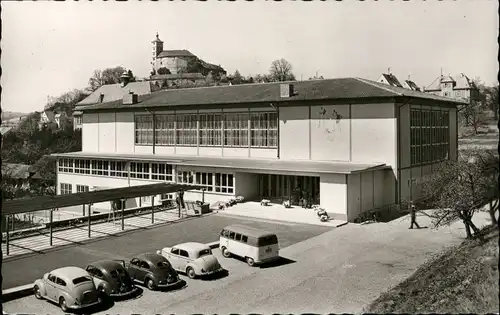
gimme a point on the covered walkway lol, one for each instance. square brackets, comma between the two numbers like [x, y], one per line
[51, 203]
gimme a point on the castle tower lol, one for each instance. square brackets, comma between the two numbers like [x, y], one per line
[157, 49]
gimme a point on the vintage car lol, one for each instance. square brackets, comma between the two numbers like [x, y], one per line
[195, 259]
[70, 287]
[153, 270]
[111, 278]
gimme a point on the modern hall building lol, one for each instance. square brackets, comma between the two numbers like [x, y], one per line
[349, 144]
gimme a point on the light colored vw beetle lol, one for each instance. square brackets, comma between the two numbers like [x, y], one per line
[195, 259]
[70, 287]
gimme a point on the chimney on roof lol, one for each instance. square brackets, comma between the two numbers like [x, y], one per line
[286, 90]
[101, 97]
[130, 98]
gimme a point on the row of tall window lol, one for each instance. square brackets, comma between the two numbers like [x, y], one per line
[259, 129]
[216, 182]
[430, 136]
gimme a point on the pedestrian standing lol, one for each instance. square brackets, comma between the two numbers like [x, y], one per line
[413, 215]
[181, 197]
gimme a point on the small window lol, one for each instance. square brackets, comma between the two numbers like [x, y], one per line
[144, 265]
[205, 252]
[267, 240]
[135, 261]
[52, 278]
[164, 264]
[175, 251]
[244, 238]
[98, 273]
[81, 280]
[238, 237]
[90, 269]
[223, 233]
[231, 235]
[183, 253]
[60, 282]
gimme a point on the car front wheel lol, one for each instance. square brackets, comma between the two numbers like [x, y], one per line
[63, 305]
[36, 292]
[225, 252]
[190, 273]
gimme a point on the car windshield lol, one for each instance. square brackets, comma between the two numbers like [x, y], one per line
[81, 280]
[164, 265]
[204, 252]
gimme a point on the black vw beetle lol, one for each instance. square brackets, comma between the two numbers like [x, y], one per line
[154, 271]
[111, 278]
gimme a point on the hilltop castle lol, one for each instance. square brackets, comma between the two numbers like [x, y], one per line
[177, 61]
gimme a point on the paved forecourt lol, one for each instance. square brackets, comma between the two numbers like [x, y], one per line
[24, 270]
[339, 271]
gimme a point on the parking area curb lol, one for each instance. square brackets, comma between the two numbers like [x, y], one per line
[27, 289]
[17, 292]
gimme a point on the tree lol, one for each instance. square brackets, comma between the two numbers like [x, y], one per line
[163, 70]
[106, 76]
[262, 78]
[281, 70]
[236, 78]
[475, 113]
[489, 165]
[457, 190]
[131, 76]
[66, 102]
[492, 99]
[194, 65]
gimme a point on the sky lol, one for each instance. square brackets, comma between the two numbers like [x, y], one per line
[49, 48]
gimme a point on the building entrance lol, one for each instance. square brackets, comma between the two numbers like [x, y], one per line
[300, 190]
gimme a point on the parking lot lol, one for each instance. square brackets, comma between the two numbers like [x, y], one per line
[338, 271]
[24, 270]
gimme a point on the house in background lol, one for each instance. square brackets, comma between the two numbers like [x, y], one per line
[410, 85]
[458, 87]
[47, 119]
[77, 120]
[61, 119]
[390, 79]
[18, 175]
[350, 145]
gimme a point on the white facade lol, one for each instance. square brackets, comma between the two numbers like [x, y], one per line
[348, 133]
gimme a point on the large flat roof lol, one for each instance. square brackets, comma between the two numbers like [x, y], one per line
[311, 90]
[59, 201]
[240, 164]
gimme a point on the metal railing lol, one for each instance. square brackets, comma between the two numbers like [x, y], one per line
[44, 222]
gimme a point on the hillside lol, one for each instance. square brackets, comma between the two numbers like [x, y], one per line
[6, 115]
[464, 279]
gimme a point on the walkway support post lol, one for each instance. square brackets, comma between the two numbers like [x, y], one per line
[123, 213]
[152, 209]
[51, 221]
[203, 195]
[7, 233]
[89, 218]
[83, 210]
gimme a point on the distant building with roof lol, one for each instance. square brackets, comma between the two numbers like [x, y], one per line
[458, 87]
[109, 93]
[349, 144]
[177, 60]
[390, 79]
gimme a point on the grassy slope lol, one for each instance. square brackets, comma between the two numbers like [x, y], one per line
[463, 279]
